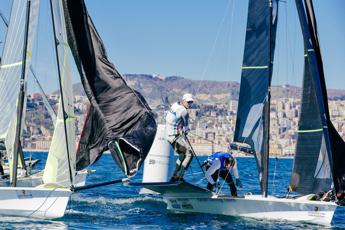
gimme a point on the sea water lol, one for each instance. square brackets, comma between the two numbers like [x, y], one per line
[121, 207]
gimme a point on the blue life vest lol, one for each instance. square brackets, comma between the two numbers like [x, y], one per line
[221, 156]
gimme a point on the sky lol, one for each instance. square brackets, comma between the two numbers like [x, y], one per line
[195, 39]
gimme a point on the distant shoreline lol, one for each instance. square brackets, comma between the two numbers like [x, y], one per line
[199, 155]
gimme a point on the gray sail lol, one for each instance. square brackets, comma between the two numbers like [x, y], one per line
[252, 114]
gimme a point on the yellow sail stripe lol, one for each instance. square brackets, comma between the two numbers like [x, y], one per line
[309, 131]
[255, 67]
[11, 65]
[5, 66]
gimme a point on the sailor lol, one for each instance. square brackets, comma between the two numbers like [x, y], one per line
[220, 164]
[176, 132]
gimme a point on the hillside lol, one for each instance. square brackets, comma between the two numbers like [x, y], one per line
[157, 89]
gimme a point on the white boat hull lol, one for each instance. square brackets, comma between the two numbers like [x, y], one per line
[256, 206]
[34, 202]
[184, 197]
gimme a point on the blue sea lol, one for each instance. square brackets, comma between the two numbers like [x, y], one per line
[121, 207]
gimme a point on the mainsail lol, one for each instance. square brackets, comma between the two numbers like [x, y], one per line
[119, 118]
[320, 157]
[252, 122]
[11, 68]
[59, 169]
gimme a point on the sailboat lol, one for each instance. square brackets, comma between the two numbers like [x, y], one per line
[23, 201]
[119, 118]
[316, 169]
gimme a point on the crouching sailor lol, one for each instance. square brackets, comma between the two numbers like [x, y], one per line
[220, 164]
[176, 131]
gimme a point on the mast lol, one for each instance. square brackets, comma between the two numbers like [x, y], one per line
[268, 107]
[65, 115]
[21, 101]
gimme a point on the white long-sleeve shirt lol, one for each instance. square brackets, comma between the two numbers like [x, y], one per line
[216, 164]
[176, 121]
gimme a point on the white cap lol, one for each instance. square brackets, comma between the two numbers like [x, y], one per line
[187, 97]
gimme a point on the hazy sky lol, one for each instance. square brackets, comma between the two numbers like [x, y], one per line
[196, 39]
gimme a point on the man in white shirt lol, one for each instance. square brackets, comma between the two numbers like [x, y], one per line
[219, 164]
[176, 130]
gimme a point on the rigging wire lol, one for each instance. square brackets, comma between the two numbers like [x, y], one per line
[230, 5]
[3, 18]
[208, 60]
[230, 38]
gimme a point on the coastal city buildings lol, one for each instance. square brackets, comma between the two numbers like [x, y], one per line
[212, 125]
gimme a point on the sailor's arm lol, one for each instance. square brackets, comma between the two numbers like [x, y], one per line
[237, 177]
[235, 171]
[211, 170]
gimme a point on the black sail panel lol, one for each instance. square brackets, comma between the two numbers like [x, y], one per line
[331, 155]
[256, 80]
[119, 118]
[311, 170]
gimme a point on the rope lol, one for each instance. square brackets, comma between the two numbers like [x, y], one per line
[45, 200]
[193, 152]
[220, 189]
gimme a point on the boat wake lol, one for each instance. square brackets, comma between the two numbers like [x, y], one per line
[116, 201]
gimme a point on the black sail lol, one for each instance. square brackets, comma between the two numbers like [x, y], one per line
[329, 150]
[311, 170]
[253, 106]
[119, 118]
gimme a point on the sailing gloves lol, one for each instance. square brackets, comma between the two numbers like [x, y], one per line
[239, 183]
[185, 130]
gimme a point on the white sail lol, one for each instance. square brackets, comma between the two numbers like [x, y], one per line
[57, 168]
[11, 67]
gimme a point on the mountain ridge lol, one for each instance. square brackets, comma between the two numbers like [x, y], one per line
[156, 89]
